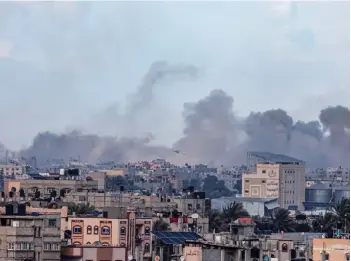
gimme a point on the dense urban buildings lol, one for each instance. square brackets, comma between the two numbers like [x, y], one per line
[143, 210]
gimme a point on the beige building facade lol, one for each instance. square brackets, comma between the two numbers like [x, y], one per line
[283, 181]
[331, 249]
[11, 170]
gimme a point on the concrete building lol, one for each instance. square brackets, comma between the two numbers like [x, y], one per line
[131, 232]
[283, 181]
[331, 249]
[46, 186]
[93, 253]
[30, 237]
[12, 170]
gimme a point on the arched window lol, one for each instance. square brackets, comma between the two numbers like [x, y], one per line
[347, 257]
[105, 231]
[123, 245]
[88, 243]
[89, 230]
[123, 231]
[77, 230]
[147, 248]
[96, 230]
[285, 247]
[105, 244]
[76, 243]
[13, 189]
[147, 231]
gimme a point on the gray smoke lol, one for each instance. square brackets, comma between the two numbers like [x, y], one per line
[212, 134]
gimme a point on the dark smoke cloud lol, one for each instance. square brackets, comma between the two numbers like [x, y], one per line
[212, 134]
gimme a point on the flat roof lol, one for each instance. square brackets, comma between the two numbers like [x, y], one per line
[276, 158]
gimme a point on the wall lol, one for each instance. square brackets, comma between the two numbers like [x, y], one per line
[336, 248]
[192, 253]
[262, 184]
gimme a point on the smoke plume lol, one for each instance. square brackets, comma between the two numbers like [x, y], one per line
[213, 134]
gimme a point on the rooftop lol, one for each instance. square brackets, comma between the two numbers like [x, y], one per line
[275, 158]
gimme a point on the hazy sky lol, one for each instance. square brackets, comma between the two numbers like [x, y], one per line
[62, 63]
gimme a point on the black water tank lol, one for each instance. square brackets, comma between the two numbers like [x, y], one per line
[9, 209]
[22, 210]
[22, 195]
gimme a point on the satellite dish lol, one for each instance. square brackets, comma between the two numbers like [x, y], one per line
[195, 216]
[130, 257]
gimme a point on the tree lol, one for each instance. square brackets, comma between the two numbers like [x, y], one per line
[215, 188]
[324, 223]
[282, 221]
[161, 225]
[216, 223]
[233, 211]
[79, 209]
[341, 212]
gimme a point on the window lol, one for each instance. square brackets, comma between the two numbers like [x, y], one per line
[246, 180]
[52, 222]
[96, 230]
[123, 245]
[105, 231]
[76, 243]
[147, 231]
[284, 247]
[326, 256]
[264, 171]
[198, 206]
[347, 257]
[55, 247]
[123, 231]
[147, 248]
[190, 207]
[246, 191]
[89, 230]
[263, 181]
[47, 246]
[11, 246]
[77, 230]
[105, 244]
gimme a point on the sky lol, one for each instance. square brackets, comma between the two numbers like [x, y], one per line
[66, 65]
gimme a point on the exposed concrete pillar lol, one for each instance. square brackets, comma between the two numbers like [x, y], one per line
[222, 254]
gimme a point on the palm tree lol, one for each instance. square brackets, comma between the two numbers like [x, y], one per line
[80, 208]
[233, 211]
[324, 223]
[161, 225]
[282, 221]
[341, 211]
[215, 221]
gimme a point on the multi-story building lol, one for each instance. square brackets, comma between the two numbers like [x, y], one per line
[12, 170]
[129, 231]
[46, 186]
[29, 237]
[283, 181]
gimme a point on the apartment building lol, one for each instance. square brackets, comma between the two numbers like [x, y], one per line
[11, 169]
[46, 186]
[131, 232]
[29, 237]
[283, 181]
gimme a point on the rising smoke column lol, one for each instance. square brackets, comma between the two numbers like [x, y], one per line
[47, 146]
[213, 134]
